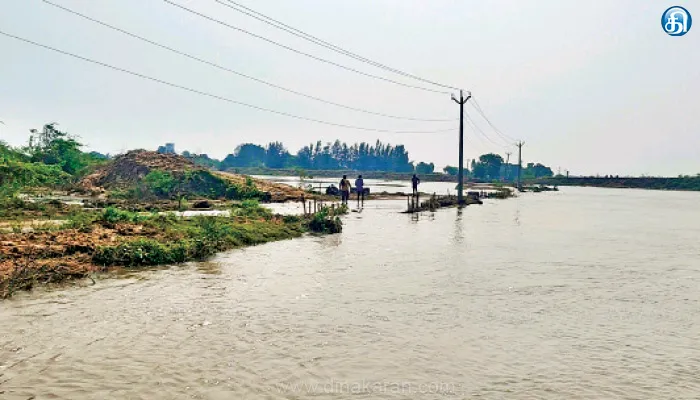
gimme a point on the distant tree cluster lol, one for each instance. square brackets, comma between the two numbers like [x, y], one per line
[491, 167]
[359, 156]
[316, 156]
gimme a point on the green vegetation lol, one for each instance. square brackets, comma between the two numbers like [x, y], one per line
[53, 147]
[326, 156]
[17, 170]
[179, 240]
[492, 167]
[70, 241]
[382, 159]
[424, 168]
[327, 221]
[450, 170]
[188, 184]
[96, 240]
[52, 159]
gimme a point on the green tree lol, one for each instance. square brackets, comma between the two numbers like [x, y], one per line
[450, 170]
[423, 168]
[276, 156]
[53, 147]
[488, 167]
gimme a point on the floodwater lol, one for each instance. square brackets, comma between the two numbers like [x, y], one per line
[375, 185]
[579, 294]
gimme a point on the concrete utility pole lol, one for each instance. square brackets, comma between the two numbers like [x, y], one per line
[520, 164]
[505, 175]
[460, 175]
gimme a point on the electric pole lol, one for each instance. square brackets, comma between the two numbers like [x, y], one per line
[520, 164]
[460, 174]
[505, 174]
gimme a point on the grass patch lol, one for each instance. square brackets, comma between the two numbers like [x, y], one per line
[194, 239]
[93, 240]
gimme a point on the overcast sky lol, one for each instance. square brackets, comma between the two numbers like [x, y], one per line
[590, 86]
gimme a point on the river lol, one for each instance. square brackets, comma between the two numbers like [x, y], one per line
[580, 294]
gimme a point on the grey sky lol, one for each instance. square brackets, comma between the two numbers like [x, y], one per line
[590, 86]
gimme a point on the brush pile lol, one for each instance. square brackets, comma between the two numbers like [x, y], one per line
[128, 169]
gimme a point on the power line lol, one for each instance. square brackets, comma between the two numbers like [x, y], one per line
[215, 65]
[308, 37]
[478, 108]
[506, 140]
[323, 60]
[481, 142]
[476, 127]
[126, 71]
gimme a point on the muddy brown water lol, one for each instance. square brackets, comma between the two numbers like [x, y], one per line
[580, 294]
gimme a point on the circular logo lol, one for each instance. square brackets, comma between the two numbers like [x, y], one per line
[676, 21]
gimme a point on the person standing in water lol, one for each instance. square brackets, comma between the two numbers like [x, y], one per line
[344, 189]
[360, 188]
[415, 181]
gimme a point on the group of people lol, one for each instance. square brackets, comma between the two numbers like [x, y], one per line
[346, 188]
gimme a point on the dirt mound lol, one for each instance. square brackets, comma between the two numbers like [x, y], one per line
[128, 169]
[278, 191]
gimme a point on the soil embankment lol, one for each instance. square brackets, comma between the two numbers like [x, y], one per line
[131, 173]
[279, 192]
[105, 231]
[95, 241]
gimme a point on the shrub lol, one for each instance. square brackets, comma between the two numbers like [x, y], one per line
[113, 215]
[141, 252]
[81, 221]
[251, 209]
[327, 221]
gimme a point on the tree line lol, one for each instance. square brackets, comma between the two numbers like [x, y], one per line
[318, 156]
[492, 167]
[361, 157]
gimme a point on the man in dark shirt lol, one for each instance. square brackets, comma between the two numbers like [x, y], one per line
[344, 189]
[415, 181]
[360, 187]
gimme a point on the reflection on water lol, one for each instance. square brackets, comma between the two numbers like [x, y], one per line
[458, 233]
[584, 293]
[209, 267]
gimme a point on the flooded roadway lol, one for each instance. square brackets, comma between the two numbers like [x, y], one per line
[580, 294]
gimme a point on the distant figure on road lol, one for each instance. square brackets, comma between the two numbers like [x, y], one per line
[360, 188]
[415, 181]
[344, 189]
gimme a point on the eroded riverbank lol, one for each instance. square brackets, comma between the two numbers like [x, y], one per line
[95, 241]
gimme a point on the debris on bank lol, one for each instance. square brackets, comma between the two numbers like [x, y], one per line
[128, 169]
[414, 205]
[130, 174]
[92, 242]
[539, 188]
[434, 202]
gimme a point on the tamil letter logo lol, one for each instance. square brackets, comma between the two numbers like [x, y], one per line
[676, 21]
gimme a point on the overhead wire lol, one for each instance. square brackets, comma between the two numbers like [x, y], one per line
[478, 108]
[206, 94]
[476, 127]
[243, 75]
[323, 60]
[308, 37]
